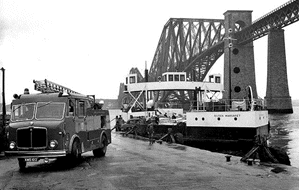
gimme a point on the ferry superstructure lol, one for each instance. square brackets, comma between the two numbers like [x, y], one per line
[208, 119]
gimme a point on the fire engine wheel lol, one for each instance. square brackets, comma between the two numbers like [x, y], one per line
[22, 163]
[75, 153]
[99, 152]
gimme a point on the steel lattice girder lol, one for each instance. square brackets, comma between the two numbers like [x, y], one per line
[187, 44]
[276, 19]
[199, 65]
[194, 45]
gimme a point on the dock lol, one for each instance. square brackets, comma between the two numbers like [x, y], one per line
[134, 164]
[137, 165]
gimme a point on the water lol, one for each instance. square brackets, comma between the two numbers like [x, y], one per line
[285, 133]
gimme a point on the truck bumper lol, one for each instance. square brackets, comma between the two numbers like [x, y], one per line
[36, 154]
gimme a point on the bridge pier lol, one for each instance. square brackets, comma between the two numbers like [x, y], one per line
[239, 67]
[277, 97]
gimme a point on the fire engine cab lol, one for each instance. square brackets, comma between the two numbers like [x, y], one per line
[57, 122]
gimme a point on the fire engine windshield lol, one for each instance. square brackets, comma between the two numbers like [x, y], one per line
[21, 112]
[50, 110]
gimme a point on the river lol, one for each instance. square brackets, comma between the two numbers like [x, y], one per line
[285, 133]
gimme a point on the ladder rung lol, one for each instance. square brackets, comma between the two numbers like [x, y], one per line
[48, 86]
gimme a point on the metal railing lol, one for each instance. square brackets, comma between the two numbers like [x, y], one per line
[229, 105]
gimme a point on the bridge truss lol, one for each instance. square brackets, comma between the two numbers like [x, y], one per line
[281, 17]
[194, 45]
[191, 45]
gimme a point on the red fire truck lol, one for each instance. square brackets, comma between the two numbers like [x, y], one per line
[57, 122]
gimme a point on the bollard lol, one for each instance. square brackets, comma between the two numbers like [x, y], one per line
[228, 158]
[256, 161]
[249, 161]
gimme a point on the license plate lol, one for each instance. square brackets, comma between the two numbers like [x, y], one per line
[31, 159]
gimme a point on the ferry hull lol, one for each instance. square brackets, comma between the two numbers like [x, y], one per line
[208, 134]
[225, 133]
[218, 129]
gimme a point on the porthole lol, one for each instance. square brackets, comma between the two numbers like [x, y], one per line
[196, 118]
[237, 89]
[236, 70]
[203, 118]
[219, 119]
[235, 119]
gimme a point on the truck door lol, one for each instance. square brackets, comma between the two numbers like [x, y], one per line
[93, 123]
[80, 121]
[70, 127]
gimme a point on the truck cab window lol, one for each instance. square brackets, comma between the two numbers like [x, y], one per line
[22, 112]
[81, 109]
[71, 108]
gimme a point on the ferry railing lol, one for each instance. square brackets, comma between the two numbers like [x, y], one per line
[228, 105]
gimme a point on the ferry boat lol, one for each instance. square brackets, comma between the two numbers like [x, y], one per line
[208, 119]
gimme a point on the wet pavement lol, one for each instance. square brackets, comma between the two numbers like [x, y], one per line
[134, 164]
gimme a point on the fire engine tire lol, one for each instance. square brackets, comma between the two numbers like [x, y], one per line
[22, 163]
[75, 153]
[99, 152]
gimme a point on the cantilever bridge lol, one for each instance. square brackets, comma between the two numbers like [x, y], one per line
[194, 45]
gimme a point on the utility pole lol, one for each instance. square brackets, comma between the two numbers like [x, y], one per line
[3, 99]
[3, 114]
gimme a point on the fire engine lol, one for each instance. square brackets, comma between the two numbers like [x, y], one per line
[56, 122]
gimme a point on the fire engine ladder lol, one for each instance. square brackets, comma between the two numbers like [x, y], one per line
[48, 86]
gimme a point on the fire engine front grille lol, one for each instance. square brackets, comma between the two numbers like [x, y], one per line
[32, 137]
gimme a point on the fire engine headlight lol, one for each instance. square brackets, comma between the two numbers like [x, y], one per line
[12, 145]
[53, 143]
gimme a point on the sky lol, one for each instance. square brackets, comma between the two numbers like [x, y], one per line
[90, 46]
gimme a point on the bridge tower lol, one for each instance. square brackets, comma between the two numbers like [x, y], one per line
[239, 68]
[277, 96]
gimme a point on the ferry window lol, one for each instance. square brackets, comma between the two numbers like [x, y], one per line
[176, 77]
[165, 78]
[81, 109]
[126, 80]
[170, 77]
[218, 79]
[182, 78]
[132, 79]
